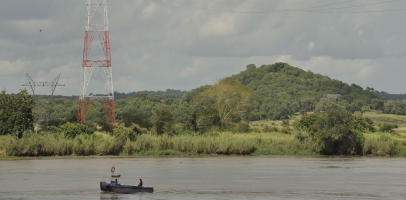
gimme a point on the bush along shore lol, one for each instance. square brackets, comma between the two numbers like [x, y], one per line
[335, 132]
[221, 143]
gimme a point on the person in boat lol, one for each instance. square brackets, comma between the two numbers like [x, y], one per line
[116, 182]
[140, 184]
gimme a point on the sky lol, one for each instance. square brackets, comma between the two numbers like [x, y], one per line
[184, 44]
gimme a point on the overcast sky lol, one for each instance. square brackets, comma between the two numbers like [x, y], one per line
[184, 44]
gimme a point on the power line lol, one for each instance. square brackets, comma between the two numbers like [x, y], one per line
[363, 5]
[39, 35]
[281, 9]
[262, 5]
[300, 10]
[60, 40]
[74, 63]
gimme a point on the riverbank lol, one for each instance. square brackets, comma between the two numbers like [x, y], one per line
[217, 143]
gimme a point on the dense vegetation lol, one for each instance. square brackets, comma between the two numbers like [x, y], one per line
[386, 95]
[173, 119]
[282, 90]
[16, 113]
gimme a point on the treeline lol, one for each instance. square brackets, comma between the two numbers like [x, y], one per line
[386, 95]
[279, 91]
[268, 92]
[169, 93]
[221, 106]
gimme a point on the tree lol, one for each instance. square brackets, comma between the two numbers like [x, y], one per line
[162, 119]
[232, 101]
[140, 118]
[326, 104]
[16, 114]
[334, 134]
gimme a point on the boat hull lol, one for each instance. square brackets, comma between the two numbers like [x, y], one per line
[124, 189]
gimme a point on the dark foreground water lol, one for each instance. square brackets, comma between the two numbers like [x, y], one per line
[208, 178]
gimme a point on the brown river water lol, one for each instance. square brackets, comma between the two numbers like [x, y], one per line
[233, 177]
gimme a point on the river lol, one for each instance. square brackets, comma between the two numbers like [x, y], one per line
[229, 177]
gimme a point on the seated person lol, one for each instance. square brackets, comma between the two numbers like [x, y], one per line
[140, 184]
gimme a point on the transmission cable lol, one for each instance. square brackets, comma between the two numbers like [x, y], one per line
[39, 36]
[220, 2]
[299, 10]
[60, 40]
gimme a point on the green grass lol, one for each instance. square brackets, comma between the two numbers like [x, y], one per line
[223, 143]
[378, 118]
[214, 143]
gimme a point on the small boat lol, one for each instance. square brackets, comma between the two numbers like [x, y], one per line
[115, 187]
[124, 189]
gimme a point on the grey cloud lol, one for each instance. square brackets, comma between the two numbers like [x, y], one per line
[156, 45]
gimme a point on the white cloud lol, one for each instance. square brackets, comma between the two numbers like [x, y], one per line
[190, 71]
[128, 84]
[8, 67]
[217, 27]
[310, 46]
[349, 71]
[149, 11]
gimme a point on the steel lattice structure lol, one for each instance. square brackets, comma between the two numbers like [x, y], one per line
[97, 23]
[53, 85]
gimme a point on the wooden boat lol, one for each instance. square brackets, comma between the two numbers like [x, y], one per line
[115, 187]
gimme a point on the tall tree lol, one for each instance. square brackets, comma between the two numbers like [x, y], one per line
[232, 100]
[16, 113]
[162, 119]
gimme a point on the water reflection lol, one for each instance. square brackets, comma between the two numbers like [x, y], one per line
[208, 178]
[108, 196]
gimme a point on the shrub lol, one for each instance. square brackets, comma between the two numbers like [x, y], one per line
[334, 134]
[242, 127]
[268, 129]
[307, 121]
[362, 124]
[123, 133]
[301, 135]
[71, 130]
[387, 127]
[383, 145]
[286, 130]
[285, 122]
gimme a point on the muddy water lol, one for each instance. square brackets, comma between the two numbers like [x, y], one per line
[208, 178]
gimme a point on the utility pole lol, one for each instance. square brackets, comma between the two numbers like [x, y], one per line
[97, 23]
[53, 85]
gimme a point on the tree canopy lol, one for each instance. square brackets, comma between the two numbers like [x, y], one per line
[16, 114]
[282, 90]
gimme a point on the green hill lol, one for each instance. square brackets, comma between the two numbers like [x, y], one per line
[386, 95]
[282, 90]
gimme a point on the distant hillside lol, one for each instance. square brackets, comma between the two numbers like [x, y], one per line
[282, 90]
[169, 93]
[386, 95]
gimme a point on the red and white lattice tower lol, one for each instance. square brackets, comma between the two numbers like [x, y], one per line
[97, 23]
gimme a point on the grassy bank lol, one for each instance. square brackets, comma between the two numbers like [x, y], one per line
[103, 144]
[224, 143]
[399, 120]
[275, 141]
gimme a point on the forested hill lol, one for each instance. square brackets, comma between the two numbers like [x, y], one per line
[282, 90]
[391, 96]
[169, 93]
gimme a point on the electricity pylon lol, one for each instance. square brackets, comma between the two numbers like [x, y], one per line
[97, 23]
[53, 85]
